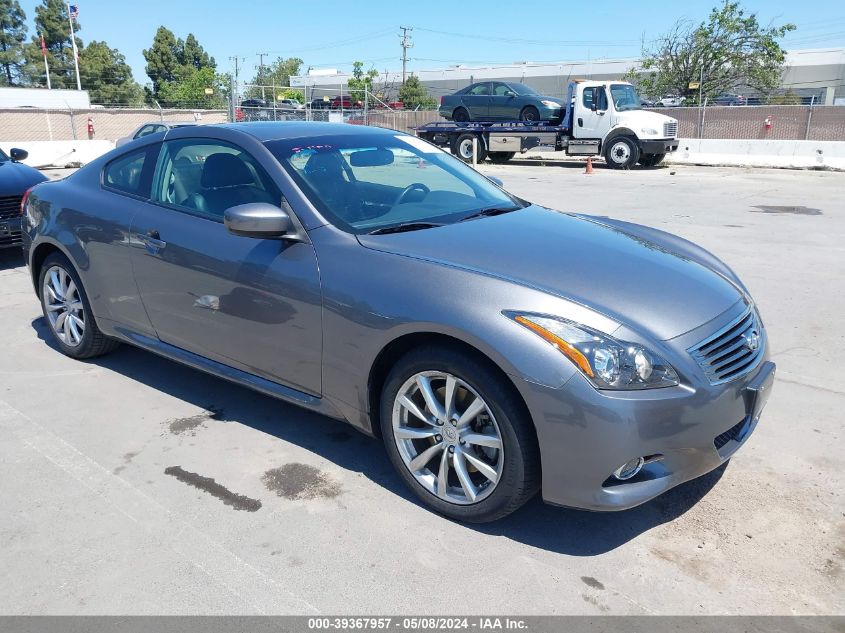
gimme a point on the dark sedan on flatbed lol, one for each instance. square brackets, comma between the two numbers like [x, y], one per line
[499, 101]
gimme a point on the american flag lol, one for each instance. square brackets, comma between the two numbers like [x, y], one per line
[74, 11]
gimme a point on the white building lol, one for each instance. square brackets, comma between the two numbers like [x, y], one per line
[816, 72]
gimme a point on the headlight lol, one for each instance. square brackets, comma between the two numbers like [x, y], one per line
[649, 131]
[606, 362]
[550, 104]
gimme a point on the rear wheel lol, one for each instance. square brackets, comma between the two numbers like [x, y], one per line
[463, 148]
[460, 115]
[68, 312]
[500, 157]
[621, 153]
[651, 160]
[529, 113]
[458, 435]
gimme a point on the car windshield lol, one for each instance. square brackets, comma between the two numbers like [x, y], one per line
[522, 89]
[625, 97]
[371, 182]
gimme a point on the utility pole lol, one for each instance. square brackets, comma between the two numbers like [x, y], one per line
[406, 44]
[261, 57]
[235, 87]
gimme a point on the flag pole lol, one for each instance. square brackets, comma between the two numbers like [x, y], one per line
[46, 65]
[75, 52]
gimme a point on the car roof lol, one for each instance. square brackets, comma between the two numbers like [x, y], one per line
[279, 130]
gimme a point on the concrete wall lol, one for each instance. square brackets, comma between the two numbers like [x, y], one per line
[754, 153]
[59, 153]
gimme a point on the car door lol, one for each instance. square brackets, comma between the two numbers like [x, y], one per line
[477, 101]
[589, 122]
[253, 304]
[504, 103]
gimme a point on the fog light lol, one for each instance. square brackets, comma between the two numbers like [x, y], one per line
[628, 469]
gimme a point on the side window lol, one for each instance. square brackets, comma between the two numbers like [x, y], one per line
[144, 131]
[206, 177]
[126, 173]
[480, 90]
[499, 89]
[587, 99]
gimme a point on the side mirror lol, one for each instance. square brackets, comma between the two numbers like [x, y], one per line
[594, 106]
[510, 93]
[496, 181]
[259, 220]
[17, 154]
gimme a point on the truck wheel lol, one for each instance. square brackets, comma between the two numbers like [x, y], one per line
[500, 157]
[529, 113]
[651, 160]
[463, 148]
[621, 153]
[460, 115]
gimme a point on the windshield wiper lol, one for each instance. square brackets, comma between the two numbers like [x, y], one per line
[406, 226]
[488, 211]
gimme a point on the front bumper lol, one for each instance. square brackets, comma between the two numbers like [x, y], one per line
[660, 146]
[550, 114]
[10, 233]
[586, 434]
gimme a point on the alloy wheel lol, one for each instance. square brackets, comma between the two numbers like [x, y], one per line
[448, 437]
[63, 306]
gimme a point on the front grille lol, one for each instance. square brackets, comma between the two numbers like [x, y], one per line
[670, 130]
[733, 433]
[10, 207]
[732, 351]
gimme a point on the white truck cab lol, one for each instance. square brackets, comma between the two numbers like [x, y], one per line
[611, 113]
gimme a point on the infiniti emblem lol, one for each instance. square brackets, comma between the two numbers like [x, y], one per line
[752, 340]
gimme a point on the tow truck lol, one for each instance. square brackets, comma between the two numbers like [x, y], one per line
[601, 118]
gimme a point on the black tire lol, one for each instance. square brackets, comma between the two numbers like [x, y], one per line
[520, 475]
[500, 157]
[462, 148]
[529, 113]
[651, 160]
[93, 342]
[460, 115]
[621, 152]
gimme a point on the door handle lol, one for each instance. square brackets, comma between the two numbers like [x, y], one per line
[152, 240]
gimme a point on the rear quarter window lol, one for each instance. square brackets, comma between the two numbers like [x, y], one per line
[131, 172]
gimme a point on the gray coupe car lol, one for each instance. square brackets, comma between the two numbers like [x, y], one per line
[498, 347]
[500, 101]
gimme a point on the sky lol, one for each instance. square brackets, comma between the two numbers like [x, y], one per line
[334, 33]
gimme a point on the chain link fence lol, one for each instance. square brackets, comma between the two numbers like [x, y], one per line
[35, 124]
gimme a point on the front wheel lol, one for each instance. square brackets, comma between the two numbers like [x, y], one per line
[651, 160]
[621, 153]
[529, 113]
[458, 435]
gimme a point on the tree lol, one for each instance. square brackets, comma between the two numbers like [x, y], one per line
[189, 89]
[730, 51]
[162, 61]
[51, 21]
[276, 74]
[361, 82]
[190, 53]
[12, 38]
[414, 95]
[107, 77]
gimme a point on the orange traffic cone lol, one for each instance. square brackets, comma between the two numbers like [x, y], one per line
[589, 169]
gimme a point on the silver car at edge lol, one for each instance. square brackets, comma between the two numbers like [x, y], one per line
[498, 347]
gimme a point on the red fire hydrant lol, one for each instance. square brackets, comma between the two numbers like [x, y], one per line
[768, 123]
[90, 129]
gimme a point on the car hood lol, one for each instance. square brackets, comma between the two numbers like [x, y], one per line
[15, 178]
[657, 289]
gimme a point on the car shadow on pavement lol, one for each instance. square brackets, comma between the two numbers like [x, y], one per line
[561, 530]
[11, 258]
